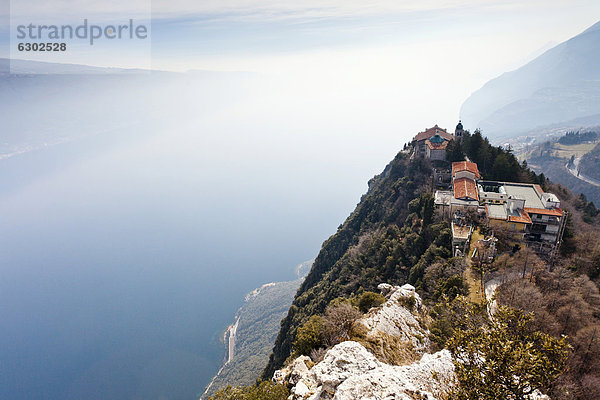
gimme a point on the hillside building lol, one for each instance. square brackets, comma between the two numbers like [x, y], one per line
[459, 131]
[435, 147]
[432, 142]
[523, 208]
[465, 169]
[464, 194]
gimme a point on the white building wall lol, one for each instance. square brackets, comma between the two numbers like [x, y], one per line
[437, 154]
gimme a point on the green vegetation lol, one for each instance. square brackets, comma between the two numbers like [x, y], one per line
[449, 315]
[505, 358]
[578, 137]
[264, 390]
[327, 331]
[368, 300]
[258, 325]
[590, 163]
[588, 209]
[495, 162]
[310, 336]
[393, 236]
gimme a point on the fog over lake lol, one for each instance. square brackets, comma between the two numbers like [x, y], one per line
[137, 210]
[128, 247]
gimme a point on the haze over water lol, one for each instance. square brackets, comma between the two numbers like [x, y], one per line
[126, 249]
[125, 254]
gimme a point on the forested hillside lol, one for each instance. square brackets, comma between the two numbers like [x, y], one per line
[576, 150]
[257, 325]
[391, 237]
[590, 163]
[551, 322]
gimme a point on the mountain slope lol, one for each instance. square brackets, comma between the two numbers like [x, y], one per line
[390, 237]
[393, 236]
[567, 163]
[560, 87]
[256, 325]
[590, 164]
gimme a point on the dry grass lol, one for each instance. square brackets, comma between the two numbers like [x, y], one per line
[386, 348]
[472, 278]
[577, 150]
[474, 283]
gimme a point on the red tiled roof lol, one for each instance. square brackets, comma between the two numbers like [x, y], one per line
[426, 134]
[523, 218]
[437, 146]
[465, 188]
[465, 166]
[556, 212]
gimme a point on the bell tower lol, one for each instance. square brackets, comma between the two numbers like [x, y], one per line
[458, 132]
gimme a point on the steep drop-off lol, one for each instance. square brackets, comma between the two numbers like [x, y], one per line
[388, 238]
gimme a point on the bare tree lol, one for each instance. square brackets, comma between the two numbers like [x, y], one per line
[338, 322]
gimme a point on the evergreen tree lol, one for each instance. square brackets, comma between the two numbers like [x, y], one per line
[506, 359]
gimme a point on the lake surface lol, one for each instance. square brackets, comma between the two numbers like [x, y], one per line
[123, 259]
[126, 250]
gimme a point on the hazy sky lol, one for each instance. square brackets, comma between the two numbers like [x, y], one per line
[152, 229]
[431, 53]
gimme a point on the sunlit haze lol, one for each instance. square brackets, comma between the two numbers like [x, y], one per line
[138, 209]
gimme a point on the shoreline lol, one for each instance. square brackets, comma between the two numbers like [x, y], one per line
[229, 339]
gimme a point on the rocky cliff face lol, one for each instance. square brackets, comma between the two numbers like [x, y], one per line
[396, 320]
[350, 371]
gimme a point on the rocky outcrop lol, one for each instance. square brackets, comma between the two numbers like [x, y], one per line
[350, 371]
[396, 317]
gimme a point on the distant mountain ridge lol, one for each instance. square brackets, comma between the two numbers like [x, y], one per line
[560, 87]
[27, 67]
[46, 104]
[560, 161]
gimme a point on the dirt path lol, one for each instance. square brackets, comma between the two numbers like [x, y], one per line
[472, 278]
[492, 285]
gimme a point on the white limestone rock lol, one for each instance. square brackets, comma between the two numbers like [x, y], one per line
[385, 288]
[342, 361]
[301, 390]
[394, 319]
[428, 378]
[349, 371]
[291, 374]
